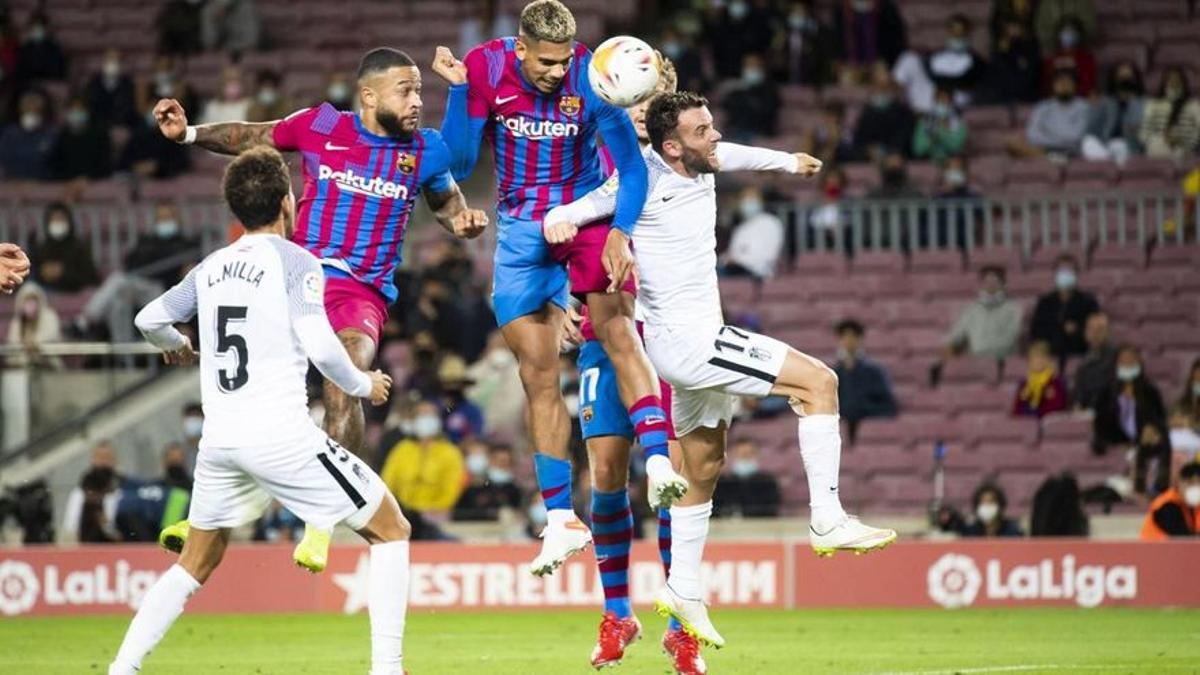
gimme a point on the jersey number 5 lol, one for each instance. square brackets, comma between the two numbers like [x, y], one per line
[227, 342]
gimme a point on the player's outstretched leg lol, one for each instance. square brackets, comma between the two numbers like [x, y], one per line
[344, 419]
[534, 340]
[612, 529]
[683, 595]
[167, 597]
[311, 552]
[812, 388]
[612, 316]
[388, 534]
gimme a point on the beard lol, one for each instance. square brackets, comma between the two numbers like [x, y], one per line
[698, 162]
[392, 124]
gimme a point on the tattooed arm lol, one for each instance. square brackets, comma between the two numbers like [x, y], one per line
[449, 206]
[227, 138]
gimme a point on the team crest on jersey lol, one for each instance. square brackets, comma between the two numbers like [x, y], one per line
[406, 163]
[586, 413]
[569, 105]
[760, 354]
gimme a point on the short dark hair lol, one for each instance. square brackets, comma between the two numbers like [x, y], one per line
[380, 59]
[1001, 498]
[255, 184]
[1067, 258]
[851, 325]
[998, 270]
[662, 118]
[959, 18]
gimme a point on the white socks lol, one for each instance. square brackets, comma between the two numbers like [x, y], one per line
[161, 606]
[387, 605]
[560, 516]
[821, 450]
[689, 531]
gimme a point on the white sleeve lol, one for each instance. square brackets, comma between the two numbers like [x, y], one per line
[734, 157]
[305, 284]
[597, 204]
[157, 320]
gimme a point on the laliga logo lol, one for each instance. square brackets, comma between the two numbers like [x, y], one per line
[526, 128]
[18, 587]
[371, 187]
[954, 581]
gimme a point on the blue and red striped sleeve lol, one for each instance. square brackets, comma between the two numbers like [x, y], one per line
[467, 109]
[288, 131]
[621, 140]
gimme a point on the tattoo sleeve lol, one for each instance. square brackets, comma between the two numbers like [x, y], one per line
[232, 138]
[446, 205]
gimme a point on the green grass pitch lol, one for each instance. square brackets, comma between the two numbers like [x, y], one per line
[1109, 640]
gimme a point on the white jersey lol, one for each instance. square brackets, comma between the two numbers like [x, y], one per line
[675, 240]
[259, 304]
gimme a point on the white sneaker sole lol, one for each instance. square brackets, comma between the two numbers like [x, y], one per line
[878, 545]
[665, 611]
[540, 568]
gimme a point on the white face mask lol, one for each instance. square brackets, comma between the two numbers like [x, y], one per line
[744, 468]
[738, 10]
[166, 228]
[1128, 373]
[987, 512]
[1191, 495]
[750, 208]
[477, 464]
[193, 426]
[268, 96]
[499, 476]
[991, 299]
[427, 426]
[1064, 279]
[30, 121]
[58, 229]
[338, 92]
[111, 69]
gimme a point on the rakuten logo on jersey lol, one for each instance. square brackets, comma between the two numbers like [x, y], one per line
[117, 584]
[955, 581]
[371, 187]
[523, 127]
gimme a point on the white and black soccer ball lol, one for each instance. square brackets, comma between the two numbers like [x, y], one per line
[624, 70]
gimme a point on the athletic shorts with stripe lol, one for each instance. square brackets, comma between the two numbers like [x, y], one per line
[314, 478]
[710, 367]
[601, 412]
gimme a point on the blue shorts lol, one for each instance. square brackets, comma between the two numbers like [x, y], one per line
[601, 412]
[526, 276]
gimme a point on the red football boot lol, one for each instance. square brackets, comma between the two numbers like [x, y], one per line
[615, 635]
[684, 651]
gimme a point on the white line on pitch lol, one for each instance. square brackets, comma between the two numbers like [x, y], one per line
[999, 669]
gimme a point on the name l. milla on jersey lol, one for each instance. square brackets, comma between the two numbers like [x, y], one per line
[240, 270]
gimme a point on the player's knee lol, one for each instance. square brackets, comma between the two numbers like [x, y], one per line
[824, 385]
[539, 377]
[708, 469]
[609, 476]
[397, 529]
[619, 336]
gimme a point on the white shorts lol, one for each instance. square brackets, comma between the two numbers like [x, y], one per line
[709, 368]
[318, 480]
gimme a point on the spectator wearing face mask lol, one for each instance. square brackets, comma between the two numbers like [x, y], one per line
[828, 137]
[40, 56]
[1130, 415]
[689, 65]
[746, 490]
[962, 207]
[461, 418]
[270, 103]
[805, 51]
[110, 95]
[165, 250]
[894, 183]
[1096, 371]
[1190, 398]
[1175, 512]
[229, 25]
[192, 429]
[35, 324]
[941, 133]
[757, 240]
[339, 93]
[25, 145]
[1015, 69]
[989, 505]
[733, 31]
[426, 472]
[1051, 14]
[866, 31]
[498, 390]
[1057, 125]
[491, 487]
[864, 388]
[146, 507]
[1042, 391]
[885, 124]
[166, 81]
[1116, 118]
[62, 261]
[826, 221]
[1171, 124]
[989, 327]
[1183, 437]
[752, 105]
[1059, 315]
[1070, 56]
[97, 494]
[957, 67]
[82, 149]
[232, 104]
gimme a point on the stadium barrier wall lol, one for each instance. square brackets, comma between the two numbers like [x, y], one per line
[262, 578]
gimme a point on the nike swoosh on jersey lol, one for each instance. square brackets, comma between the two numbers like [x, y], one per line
[502, 101]
[668, 198]
[333, 148]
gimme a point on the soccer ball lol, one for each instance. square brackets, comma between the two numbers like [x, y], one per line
[624, 70]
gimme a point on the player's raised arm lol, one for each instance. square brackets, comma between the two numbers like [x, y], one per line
[305, 283]
[444, 196]
[467, 107]
[562, 222]
[735, 157]
[226, 138]
[157, 321]
[633, 183]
